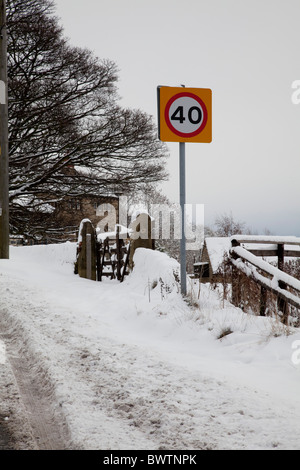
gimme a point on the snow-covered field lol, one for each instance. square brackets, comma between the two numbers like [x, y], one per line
[134, 366]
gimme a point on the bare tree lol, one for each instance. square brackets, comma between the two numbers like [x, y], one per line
[67, 133]
[226, 226]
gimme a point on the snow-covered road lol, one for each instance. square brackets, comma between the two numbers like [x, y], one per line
[134, 366]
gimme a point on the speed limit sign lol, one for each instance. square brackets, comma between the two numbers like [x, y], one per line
[184, 114]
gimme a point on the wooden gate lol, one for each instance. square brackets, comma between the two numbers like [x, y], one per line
[113, 256]
[110, 254]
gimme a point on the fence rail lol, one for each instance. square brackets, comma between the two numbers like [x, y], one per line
[270, 278]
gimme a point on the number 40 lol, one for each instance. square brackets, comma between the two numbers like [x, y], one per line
[194, 115]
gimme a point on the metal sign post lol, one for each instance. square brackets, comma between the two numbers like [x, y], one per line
[182, 206]
[184, 115]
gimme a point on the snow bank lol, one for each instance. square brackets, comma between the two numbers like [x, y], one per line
[57, 255]
[155, 269]
[155, 282]
[135, 366]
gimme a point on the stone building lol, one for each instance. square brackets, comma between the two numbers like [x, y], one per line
[212, 256]
[102, 211]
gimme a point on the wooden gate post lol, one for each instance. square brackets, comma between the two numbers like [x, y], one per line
[282, 303]
[235, 280]
[141, 236]
[118, 253]
[236, 287]
[86, 256]
[263, 301]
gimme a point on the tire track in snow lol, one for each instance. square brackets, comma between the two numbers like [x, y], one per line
[48, 427]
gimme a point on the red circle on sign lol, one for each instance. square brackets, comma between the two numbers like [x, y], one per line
[202, 106]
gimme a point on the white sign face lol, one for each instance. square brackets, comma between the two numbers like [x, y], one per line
[2, 92]
[186, 114]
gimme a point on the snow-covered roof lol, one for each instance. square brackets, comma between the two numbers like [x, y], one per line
[217, 248]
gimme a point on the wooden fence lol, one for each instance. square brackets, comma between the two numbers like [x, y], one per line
[248, 260]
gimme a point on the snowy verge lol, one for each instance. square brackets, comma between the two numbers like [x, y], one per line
[134, 365]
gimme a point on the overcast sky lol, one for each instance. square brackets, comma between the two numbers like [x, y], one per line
[248, 53]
